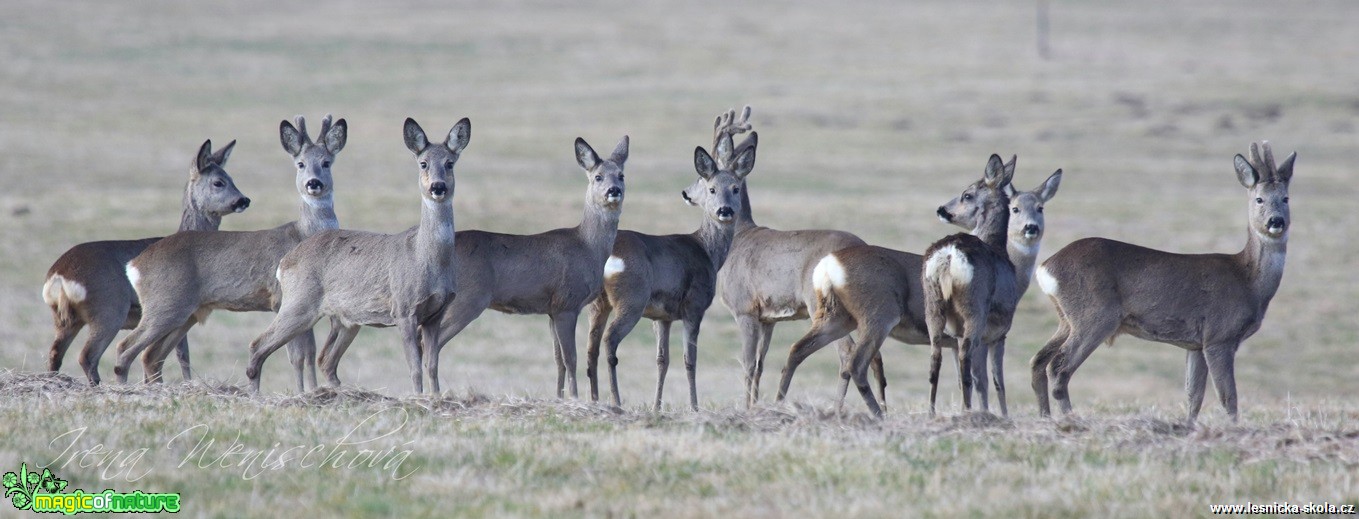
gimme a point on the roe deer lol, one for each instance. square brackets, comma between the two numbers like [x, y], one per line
[1205, 303]
[877, 291]
[362, 278]
[556, 272]
[768, 276]
[673, 277]
[184, 277]
[971, 287]
[88, 284]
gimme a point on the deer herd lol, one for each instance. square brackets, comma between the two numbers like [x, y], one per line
[431, 281]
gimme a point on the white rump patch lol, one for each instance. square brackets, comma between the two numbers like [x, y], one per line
[57, 287]
[613, 266]
[133, 275]
[1045, 281]
[278, 274]
[948, 260]
[829, 273]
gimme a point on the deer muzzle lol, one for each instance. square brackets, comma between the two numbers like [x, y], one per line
[241, 204]
[314, 187]
[1276, 225]
[944, 215]
[725, 214]
[1031, 230]
[614, 194]
[438, 190]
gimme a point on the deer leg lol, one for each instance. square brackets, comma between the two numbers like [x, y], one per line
[1222, 366]
[870, 341]
[300, 349]
[822, 333]
[879, 374]
[980, 389]
[1039, 365]
[182, 355]
[410, 339]
[66, 334]
[691, 328]
[662, 330]
[1081, 342]
[457, 314]
[429, 342]
[598, 318]
[341, 337]
[750, 338]
[623, 323]
[1195, 381]
[998, 373]
[101, 334]
[766, 334]
[153, 361]
[291, 321]
[564, 326]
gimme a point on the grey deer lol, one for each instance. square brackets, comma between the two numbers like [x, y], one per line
[1207, 304]
[88, 284]
[672, 277]
[877, 291]
[556, 272]
[768, 277]
[362, 278]
[970, 285]
[183, 278]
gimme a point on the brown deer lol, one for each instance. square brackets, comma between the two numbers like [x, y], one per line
[877, 291]
[184, 277]
[767, 277]
[970, 285]
[672, 277]
[371, 279]
[1205, 303]
[556, 273]
[88, 284]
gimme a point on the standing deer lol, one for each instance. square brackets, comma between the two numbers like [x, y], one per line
[877, 291]
[768, 277]
[971, 288]
[184, 277]
[673, 277]
[1205, 303]
[556, 273]
[88, 284]
[364, 278]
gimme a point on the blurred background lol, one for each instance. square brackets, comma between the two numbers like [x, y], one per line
[871, 114]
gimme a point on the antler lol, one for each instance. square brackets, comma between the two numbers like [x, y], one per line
[724, 128]
[1264, 163]
[301, 124]
[325, 127]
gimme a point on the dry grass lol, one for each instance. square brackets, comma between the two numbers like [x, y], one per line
[870, 114]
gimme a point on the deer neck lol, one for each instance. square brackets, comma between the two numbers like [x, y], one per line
[715, 238]
[318, 214]
[1263, 260]
[195, 218]
[434, 236]
[744, 218]
[995, 225]
[598, 229]
[1023, 256]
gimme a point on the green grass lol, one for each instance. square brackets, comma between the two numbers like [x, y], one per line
[871, 114]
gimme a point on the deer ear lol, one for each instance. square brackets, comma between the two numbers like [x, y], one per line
[337, 136]
[585, 155]
[745, 161]
[995, 169]
[1010, 191]
[202, 160]
[723, 149]
[704, 164]
[1048, 190]
[459, 136]
[290, 137]
[620, 152]
[414, 136]
[221, 156]
[1245, 173]
[1285, 170]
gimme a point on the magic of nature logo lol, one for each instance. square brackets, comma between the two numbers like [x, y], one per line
[45, 493]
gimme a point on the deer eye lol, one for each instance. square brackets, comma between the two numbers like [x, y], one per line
[1259, 200]
[1016, 210]
[967, 197]
[712, 190]
[1285, 200]
[424, 165]
[736, 190]
[301, 165]
[1040, 208]
[448, 165]
[218, 183]
[599, 178]
[326, 164]
[620, 176]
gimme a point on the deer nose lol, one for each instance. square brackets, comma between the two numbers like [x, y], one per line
[944, 215]
[725, 213]
[1276, 222]
[315, 186]
[241, 204]
[614, 193]
[1031, 230]
[438, 189]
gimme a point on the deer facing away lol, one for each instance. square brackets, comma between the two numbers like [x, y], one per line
[184, 277]
[1207, 304]
[88, 284]
[673, 277]
[877, 291]
[555, 273]
[382, 280]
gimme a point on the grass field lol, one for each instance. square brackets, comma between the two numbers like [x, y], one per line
[871, 114]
